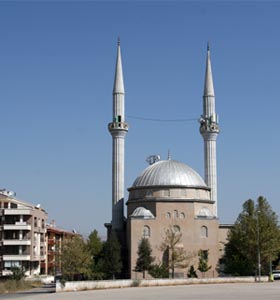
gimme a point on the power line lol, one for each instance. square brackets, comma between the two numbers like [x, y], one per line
[162, 120]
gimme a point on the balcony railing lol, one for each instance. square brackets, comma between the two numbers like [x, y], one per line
[19, 226]
[16, 257]
[17, 211]
[16, 242]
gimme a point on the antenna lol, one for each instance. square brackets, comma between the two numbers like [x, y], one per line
[152, 159]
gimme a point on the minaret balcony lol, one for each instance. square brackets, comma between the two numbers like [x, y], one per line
[113, 126]
[208, 126]
[213, 128]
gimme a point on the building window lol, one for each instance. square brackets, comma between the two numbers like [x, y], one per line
[13, 205]
[166, 193]
[35, 222]
[182, 215]
[175, 214]
[176, 228]
[168, 215]
[146, 231]
[204, 232]
[149, 193]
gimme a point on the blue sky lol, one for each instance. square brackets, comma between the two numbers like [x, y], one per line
[57, 63]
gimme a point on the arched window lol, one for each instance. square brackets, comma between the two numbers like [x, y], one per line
[176, 228]
[168, 215]
[146, 231]
[204, 232]
[182, 215]
[175, 214]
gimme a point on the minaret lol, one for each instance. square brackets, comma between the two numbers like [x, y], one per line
[118, 129]
[209, 129]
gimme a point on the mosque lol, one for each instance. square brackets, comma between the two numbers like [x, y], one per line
[168, 193]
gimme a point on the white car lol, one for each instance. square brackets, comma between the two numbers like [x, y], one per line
[276, 274]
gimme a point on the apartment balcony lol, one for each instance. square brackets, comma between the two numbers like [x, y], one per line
[38, 258]
[17, 226]
[51, 242]
[17, 211]
[16, 242]
[17, 257]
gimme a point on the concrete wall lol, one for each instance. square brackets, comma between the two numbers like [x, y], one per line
[109, 284]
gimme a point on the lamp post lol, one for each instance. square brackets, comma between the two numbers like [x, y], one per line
[258, 247]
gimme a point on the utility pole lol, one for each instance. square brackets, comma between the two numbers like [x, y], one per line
[258, 246]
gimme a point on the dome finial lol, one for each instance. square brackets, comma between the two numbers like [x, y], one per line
[168, 155]
[208, 46]
[119, 41]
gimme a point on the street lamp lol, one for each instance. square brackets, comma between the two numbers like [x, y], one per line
[258, 246]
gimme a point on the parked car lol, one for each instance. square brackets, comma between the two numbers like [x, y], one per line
[276, 274]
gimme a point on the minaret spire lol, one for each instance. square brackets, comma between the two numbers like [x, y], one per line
[118, 82]
[208, 83]
[209, 129]
[118, 129]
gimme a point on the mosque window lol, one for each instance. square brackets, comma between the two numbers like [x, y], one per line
[166, 193]
[146, 231]
[176, 228]
[204, 232]
[175, 214]
[182, 215]
[168, 215]
[149, 193]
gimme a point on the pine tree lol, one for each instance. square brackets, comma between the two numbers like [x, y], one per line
[256, 227]
[95, 246]
[159, 271]
[94, 243]
[111, 255]
[192, 272]
[203, 266]
[145, 258]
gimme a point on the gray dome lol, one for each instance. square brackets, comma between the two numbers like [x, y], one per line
[142, 212]
[169, 173]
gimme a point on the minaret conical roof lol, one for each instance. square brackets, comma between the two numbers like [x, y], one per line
[208, 84]
[118, 83]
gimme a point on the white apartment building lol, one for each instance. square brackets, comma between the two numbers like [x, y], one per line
[22, 235]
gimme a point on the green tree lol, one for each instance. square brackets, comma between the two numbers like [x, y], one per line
[95, 246]
[192, 272]
[75, 258]
[145, 258]
[174, 253]
[255, 228]
[203, 266]
[95, 243]
[17, 273]
[159, 271]
[111, 255]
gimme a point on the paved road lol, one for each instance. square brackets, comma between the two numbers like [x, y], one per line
[31, 294]
[243, 291]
